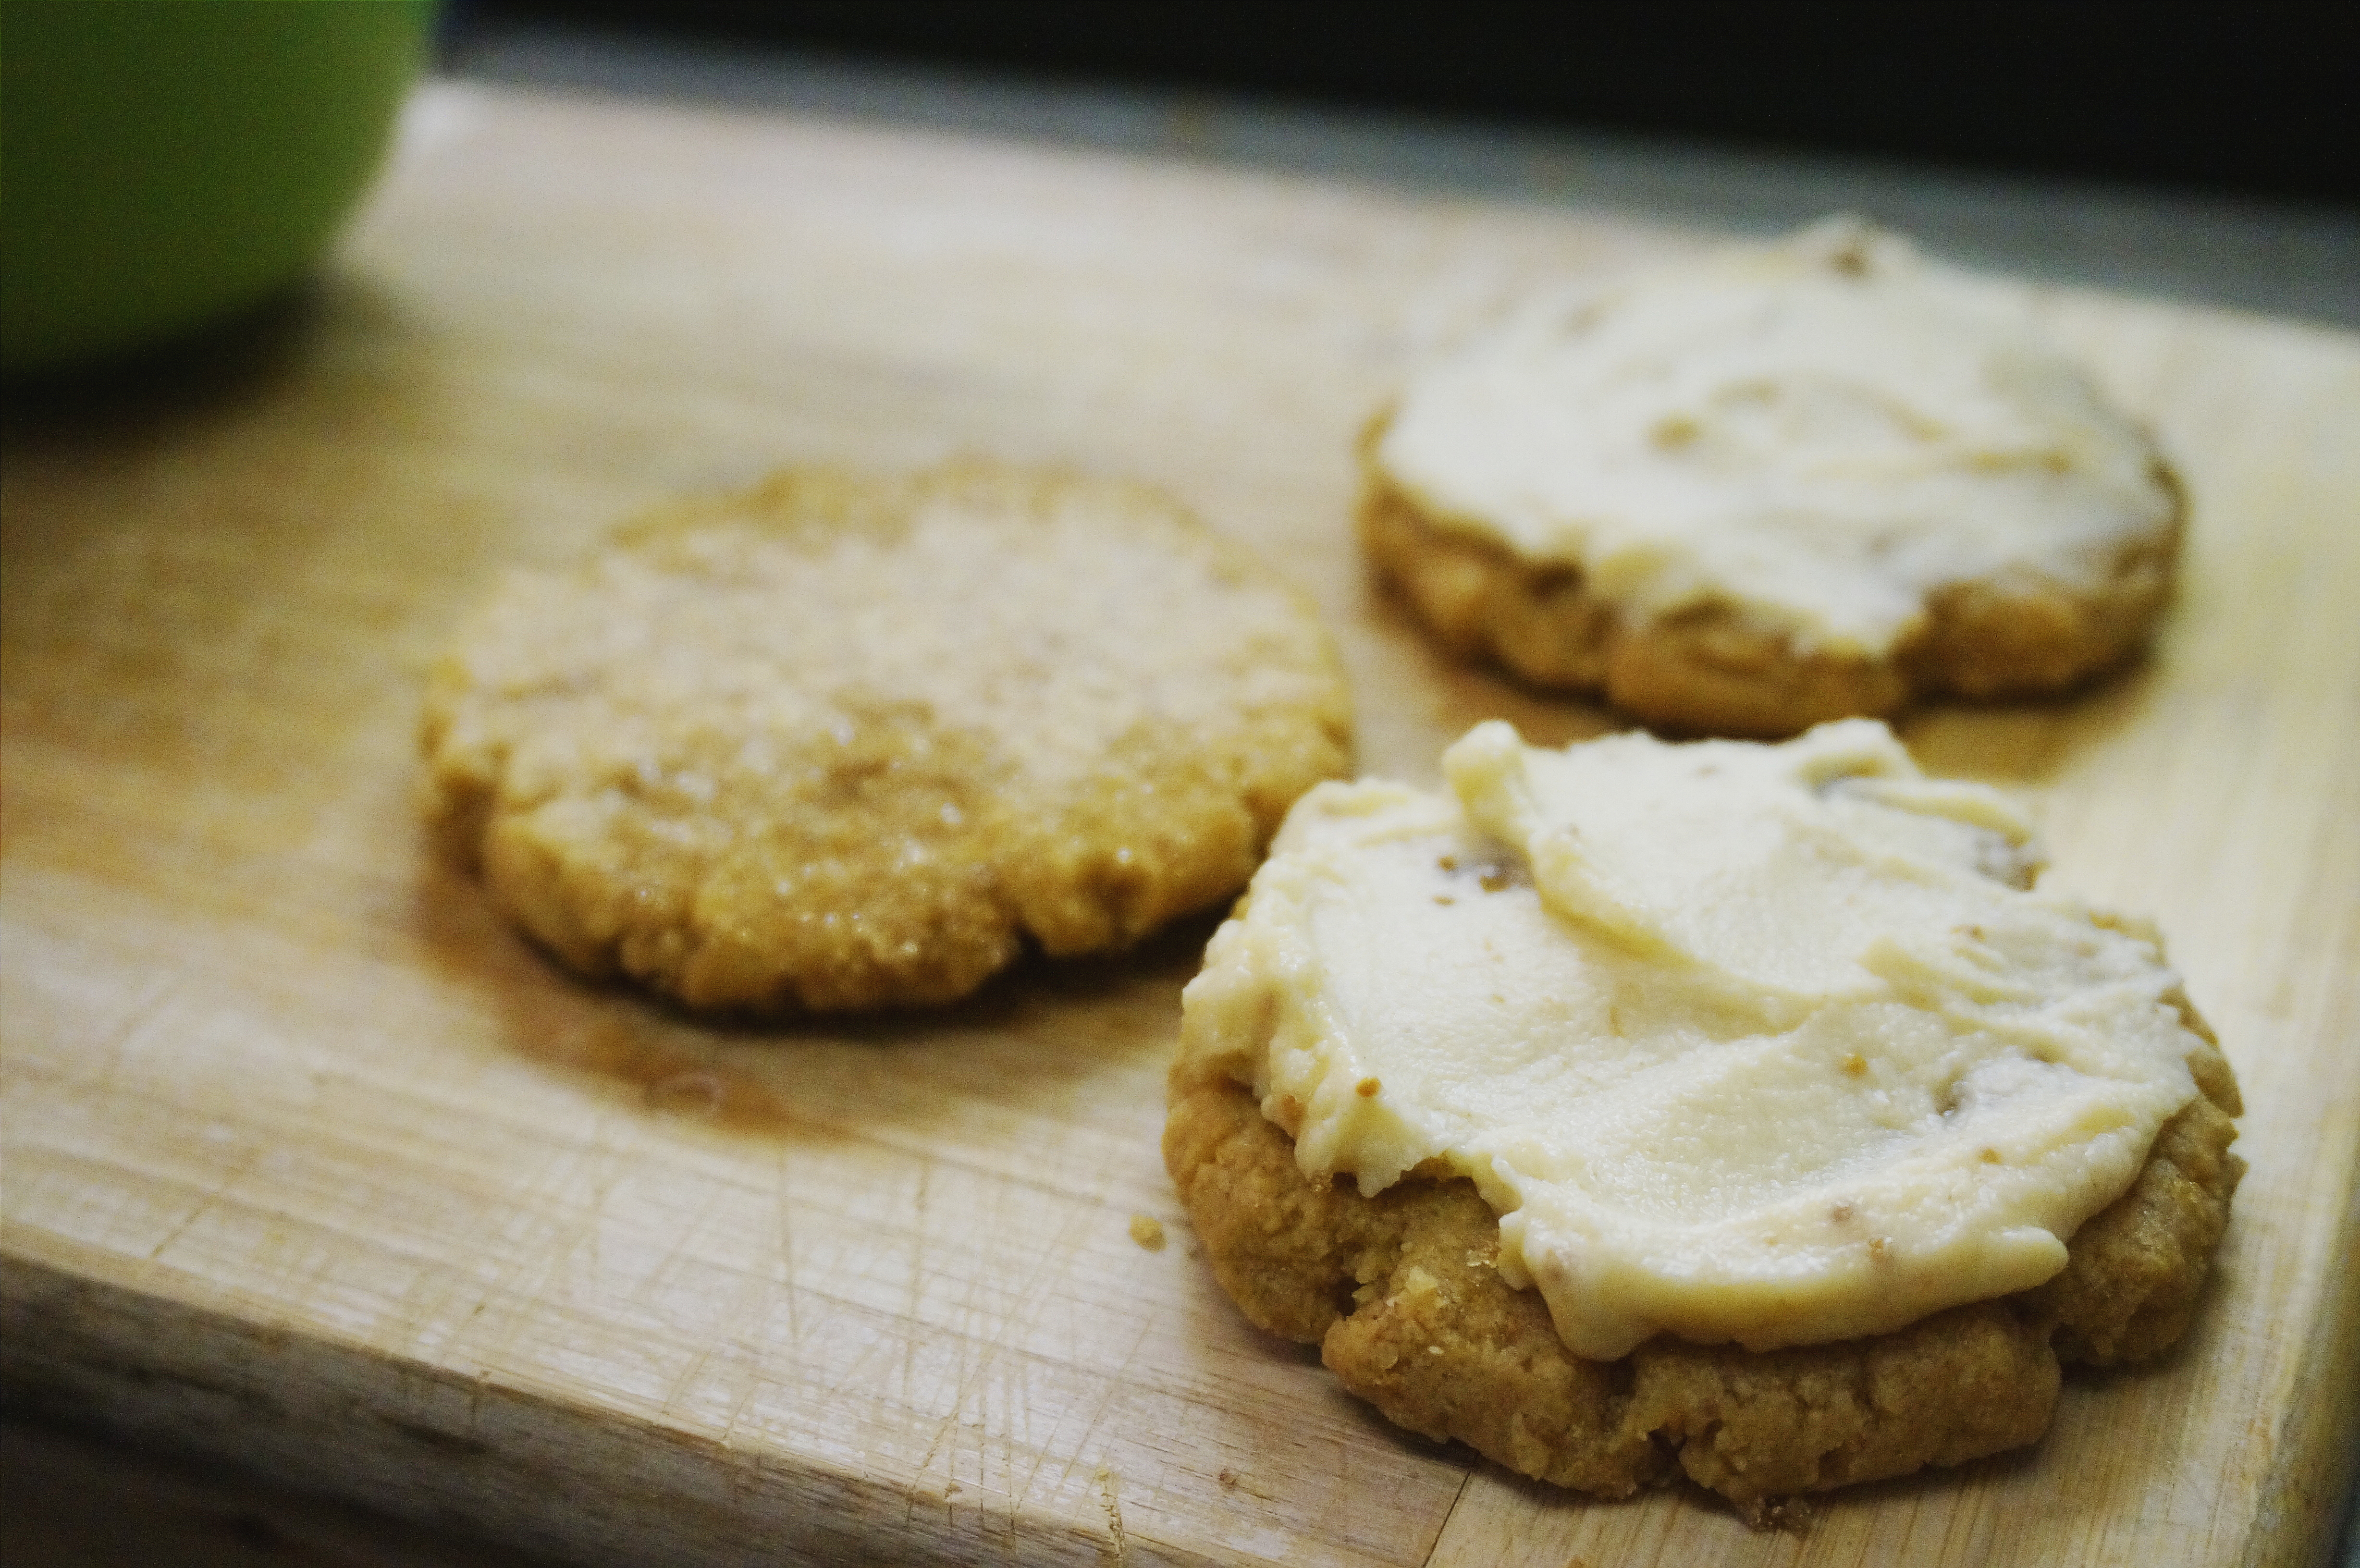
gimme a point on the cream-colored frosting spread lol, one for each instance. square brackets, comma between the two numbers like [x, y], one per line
[1762, 1043]
[1819, 432]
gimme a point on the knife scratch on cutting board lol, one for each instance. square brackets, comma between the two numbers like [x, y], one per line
[209, 1202]
[786, 1208]
[1108, 1487]
[148, 1004]
[912, 1313]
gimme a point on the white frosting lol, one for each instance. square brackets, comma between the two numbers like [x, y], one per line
[1819, 433]
[1745, 1042]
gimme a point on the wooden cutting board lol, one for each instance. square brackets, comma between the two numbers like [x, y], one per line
[311, 1162]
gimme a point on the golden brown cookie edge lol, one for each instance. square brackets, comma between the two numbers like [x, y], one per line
[1400, 1294]
[1710, 669]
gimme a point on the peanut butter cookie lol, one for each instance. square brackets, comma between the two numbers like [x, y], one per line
[1784, 485]
[845, 741]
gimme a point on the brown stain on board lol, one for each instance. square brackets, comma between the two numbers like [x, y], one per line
[670, 1076]
[1026, 1043]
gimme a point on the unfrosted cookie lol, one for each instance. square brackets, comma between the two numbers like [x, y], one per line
[1783, 485]
[1739, 1110]
[845, 741]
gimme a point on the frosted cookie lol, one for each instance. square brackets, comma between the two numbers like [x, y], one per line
[1736, 1109]
[851, 742]
[1782, 485]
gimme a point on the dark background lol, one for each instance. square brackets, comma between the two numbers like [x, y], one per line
[2257, 99]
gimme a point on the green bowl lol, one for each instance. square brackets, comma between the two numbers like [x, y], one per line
[166, 165]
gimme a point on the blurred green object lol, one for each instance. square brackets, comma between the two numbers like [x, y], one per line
[166, 164]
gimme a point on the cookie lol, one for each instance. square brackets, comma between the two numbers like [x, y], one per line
[1402, 1294]
[1739, 1110]
[846, 741]
[1780, 486]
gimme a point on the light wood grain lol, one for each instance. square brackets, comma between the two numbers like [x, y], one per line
[311, 1162]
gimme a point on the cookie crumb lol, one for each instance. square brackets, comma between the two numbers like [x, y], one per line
[1788, 1514]
[1367, 1088]
[1148, 1231]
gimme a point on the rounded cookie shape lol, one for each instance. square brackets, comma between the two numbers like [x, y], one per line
[847, 741]
[1747, 1107]
[1780, 486]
